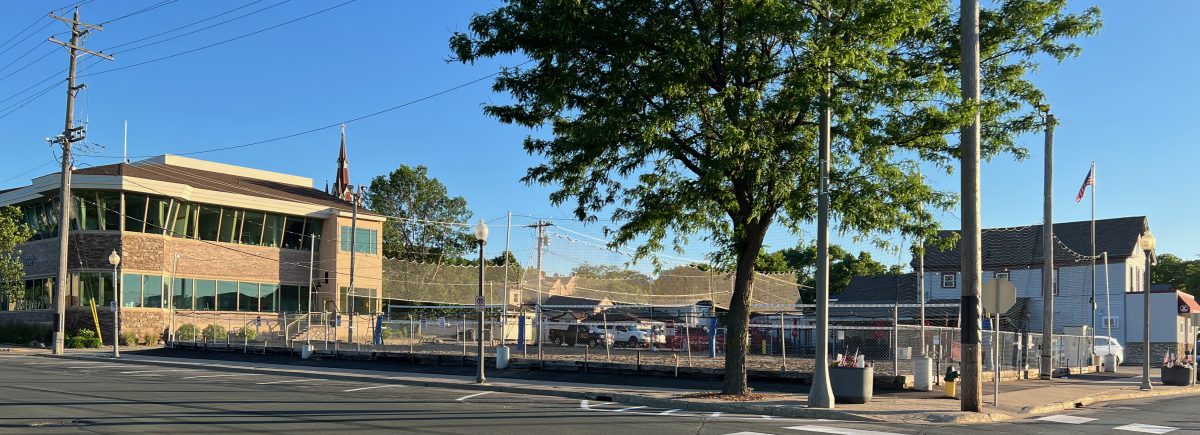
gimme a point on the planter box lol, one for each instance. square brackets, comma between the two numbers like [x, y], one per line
[852, 385]
[1176, 375]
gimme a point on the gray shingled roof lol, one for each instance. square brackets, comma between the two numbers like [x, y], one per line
[902, 289]
[1022, 246]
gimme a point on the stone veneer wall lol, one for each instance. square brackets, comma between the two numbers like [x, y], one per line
[1133, 352]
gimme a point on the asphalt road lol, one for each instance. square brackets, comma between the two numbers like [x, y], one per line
[44, 395]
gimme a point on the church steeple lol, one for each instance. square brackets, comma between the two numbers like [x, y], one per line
[341, 185]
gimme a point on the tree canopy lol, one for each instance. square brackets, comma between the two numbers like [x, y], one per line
[13, 232]
[421, 209]
[694, 117]
[1181, 274]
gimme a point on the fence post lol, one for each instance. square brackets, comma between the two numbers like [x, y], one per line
[463, 337]
[895, 341]
[783, 341]
[687, 338]
[228, 327]
[607, 334]
[411, 335]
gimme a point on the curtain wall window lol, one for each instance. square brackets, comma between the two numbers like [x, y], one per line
[131, 290]
[227, 295]
[247, 296]
[206, 294]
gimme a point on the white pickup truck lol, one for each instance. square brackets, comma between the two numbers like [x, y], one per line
[637, 335]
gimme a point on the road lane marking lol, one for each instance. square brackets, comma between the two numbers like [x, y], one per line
[223, 376]
[668, 412]
[97, 366]
[133, 372]
[464, 398]
[630, 408]
[747, 433]
[715, 415]
[288, 381]
[1146, 428]
[1068, 419]
[587, 404]
[369, 388]
[838, 430]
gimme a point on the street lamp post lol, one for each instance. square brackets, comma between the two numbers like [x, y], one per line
[115, 260]
[481, 233]
[1147, 245]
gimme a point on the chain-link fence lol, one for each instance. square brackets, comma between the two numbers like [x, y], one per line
[780, 342]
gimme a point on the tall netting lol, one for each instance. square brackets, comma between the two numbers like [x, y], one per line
[412, 281]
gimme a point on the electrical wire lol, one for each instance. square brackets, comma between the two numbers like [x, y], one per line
[140, 11]
[222, 42]
[192, 24]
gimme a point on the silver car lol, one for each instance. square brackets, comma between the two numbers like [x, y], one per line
[1103, 345]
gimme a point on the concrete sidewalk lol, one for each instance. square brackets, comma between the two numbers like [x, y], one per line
[1017, 399]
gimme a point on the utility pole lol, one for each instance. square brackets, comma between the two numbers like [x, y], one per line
[542, 241]
[355, 197]
[1047, 371]
[69, 135]
[972, 261]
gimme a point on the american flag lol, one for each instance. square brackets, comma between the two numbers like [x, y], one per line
[1089, 181]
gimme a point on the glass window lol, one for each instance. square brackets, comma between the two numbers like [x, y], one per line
[158, 214]
[182, 288]
[152, 291]
[344, 239]
[206, 294]
[247, 296]
[135, 212]
[289, 298]
[252, 227]
[230, 220]
[208, 222]
[272, 230]
[227, 295]
[183, 226]
[293, 232]
[304, 298]
[109, 204]
[84, 213]
[949, 280]
[364, 240]
[312, 227]
[270, 297]
[131, 290]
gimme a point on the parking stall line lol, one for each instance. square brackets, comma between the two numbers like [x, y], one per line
[838, 430]
[631, 408]
[223, 376]
[668, 412]
[1068, 419]
[288, 381]
[464, 398]
[1146, 428]
[370, 388]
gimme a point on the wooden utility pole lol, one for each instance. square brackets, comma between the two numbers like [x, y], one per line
[1047, 369]
[972, 261]
[70, 134]
[541, 243]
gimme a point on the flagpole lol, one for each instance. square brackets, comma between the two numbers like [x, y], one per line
[1093, 257]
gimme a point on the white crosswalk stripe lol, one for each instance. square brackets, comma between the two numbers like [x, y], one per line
[747, 433]
[1068, 419]
[837, 430]
[1146, 428]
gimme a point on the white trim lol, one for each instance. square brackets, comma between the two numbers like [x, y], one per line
[204, 165]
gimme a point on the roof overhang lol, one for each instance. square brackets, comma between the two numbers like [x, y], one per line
[1187, 304]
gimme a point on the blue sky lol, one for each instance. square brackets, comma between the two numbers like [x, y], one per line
[1128, 103]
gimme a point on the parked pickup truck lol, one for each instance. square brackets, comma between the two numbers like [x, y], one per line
[571, 335]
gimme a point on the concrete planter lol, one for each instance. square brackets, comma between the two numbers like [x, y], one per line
[1176, 375]
[852, 385]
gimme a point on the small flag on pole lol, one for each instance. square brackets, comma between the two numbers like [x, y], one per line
[1089, 181]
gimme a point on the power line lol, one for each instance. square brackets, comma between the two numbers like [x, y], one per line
[222, 42]
[192, 24]
[142, 10]
[335, 124]
[31, 63]
[39, 29]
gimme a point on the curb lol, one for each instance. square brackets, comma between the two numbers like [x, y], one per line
[787, 411]
[1112, 397]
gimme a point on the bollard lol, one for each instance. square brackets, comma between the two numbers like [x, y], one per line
[676, 365]
[638, 368]
[586, 354]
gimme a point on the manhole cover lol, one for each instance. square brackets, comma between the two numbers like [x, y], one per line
[61, 423]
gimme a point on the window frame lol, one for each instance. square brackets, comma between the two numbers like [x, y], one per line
[953, 279]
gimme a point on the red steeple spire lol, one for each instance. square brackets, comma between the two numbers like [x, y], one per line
[341, 185]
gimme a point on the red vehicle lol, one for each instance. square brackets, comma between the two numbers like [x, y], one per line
[698, 336]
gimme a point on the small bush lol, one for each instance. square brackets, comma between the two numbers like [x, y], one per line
[186, 332]
[214, 332]
[129, 339]
[83, 339]
[24, 333]
[245, 333]
[150, 339]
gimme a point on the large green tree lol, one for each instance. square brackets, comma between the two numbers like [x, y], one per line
[13, 232]
[843, 265]
[700, 117]
[423, 214]
[1181, 274]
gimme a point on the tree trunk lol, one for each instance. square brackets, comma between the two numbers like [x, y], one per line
[739, 311]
